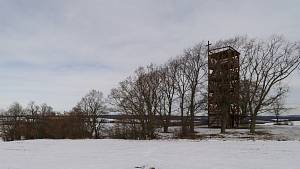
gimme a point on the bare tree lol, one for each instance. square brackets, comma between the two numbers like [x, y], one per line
[15, 109]
[168, 88]
[93, 104]
[33, 125]
[277, 106]
[129, 102]
[182, 89]
[46, 110]
[271, 62]
[12, 130]
[149, 81]
[140, 97]
[264, 64]
[197, 77]
[32, 108]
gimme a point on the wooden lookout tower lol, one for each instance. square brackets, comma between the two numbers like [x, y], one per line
[223, 87]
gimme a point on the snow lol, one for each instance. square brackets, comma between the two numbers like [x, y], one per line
[284, 132]
[264, 132]
[296, 123]
[160, 154]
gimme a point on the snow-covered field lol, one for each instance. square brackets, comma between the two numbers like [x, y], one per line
[159, 154]
[209, 151]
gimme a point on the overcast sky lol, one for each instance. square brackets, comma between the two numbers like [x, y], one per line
[55, 51]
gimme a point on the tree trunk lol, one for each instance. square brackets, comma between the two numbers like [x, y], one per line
[182, 123]
[167, 123]
[192, 111]
[253, 124]
[94, 130]
[166, 128]
[224, 122]
[183, 127]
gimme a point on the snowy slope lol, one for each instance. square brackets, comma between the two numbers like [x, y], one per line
[161, 154]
